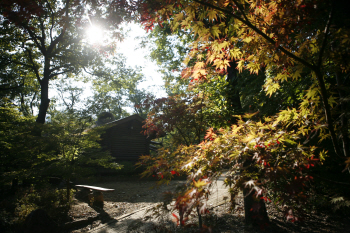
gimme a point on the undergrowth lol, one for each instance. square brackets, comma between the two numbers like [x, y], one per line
[16, 207]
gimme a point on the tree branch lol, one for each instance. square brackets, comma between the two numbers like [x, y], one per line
[59, 73]
[52, 18]
[33, 36]
[324, 43]
[43, 36]
[183, 136]
[266, 37]
[35, 69]
[315, 69]
[9, 88]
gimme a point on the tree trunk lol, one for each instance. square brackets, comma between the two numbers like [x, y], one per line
[254, 209]
[234, 100]
[200, 222]
[343, 116]
[68, 191]
[328, 114]
[14, 185]
[44, 101]
[254, 206]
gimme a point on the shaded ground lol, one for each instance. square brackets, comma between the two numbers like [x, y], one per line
[220, 220]
[130, 195]
[134, 195]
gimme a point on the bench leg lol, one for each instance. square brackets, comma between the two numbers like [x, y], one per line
[98, 197]
[95, 198]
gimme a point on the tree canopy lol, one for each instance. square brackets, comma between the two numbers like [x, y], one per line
[288, 60]
[257, 89]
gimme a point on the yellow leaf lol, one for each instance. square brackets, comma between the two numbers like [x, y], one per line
[297, 73]
[236, 53]
[248, 39]
[179, 17]
[199, 65]
[253, 67]
[200, 183]
[240, 65]
[215, 31]
[212, 14]
[271, 87]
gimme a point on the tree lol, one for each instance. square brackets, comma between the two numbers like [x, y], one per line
[179, 116]
[76, 150]
[136, 98]
[50, 40]
[260, 34]
[113, 86]
[168, 50]
[16, 142]
[299, 42]
[17, 85]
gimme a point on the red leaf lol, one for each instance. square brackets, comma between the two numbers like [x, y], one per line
[176, 218]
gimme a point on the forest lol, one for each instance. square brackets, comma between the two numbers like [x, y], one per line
[257, 91]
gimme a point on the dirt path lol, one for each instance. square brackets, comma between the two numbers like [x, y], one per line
[126, 209]
[130, 221]
[129, 196]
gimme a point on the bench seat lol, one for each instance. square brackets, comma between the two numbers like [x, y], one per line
[95, 193]
[100, 189]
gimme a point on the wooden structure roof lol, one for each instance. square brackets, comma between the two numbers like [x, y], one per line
[125, 140]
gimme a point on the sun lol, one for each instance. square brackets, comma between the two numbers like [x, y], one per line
[95, 35]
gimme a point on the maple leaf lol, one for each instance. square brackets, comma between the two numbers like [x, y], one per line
[199, 184]
[215, 31]
[236, 53]
[199, 65]
[271, 87]
[250, 183]
[212, 14]
[210, 134]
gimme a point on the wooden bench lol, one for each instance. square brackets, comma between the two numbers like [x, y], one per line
[95, 194]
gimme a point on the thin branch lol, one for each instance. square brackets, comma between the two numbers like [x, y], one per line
[84, 68]
[183, 136]
[241, 10]
[59, 73]
[326, 32]
[266, 37]
[56, 41]
[60, 67]
[337, 182]
[36, 71]
[313, 67]
[9, 88]
[33, 36]
[43, 36]
[52, 18]
[31, 102]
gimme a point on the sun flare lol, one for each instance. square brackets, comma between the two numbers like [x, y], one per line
[95, 35]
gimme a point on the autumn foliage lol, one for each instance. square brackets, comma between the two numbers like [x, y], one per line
[276, 156]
